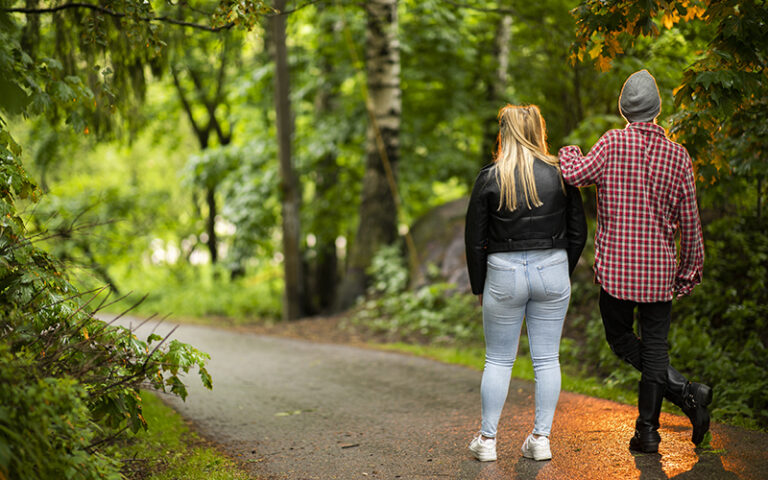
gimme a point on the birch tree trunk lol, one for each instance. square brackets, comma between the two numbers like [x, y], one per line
[378, 211]
[289, 183]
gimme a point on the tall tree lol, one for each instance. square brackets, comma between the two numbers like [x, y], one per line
[497, 85]
[293, 297]
[323, 281]
[206, 92]
[378, 207]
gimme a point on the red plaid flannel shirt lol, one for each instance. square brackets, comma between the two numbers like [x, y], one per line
[646, 194]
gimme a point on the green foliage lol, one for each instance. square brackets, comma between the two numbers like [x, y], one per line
[252, 202]
[85, 64]
[45, 425]
[70, 381]
[726, 319]
[589, 131]
[188, 291]
[723, 93]
[388, 271]
[81, 377]
[433, 313]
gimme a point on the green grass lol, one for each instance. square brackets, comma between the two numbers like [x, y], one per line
[168, 450]
[474, 357]
[572, 381]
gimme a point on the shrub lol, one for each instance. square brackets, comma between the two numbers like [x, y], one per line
[435, 313]
[720, 332]
[68, 381]
[45, 426]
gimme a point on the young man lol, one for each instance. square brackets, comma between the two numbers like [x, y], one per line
[646, 194]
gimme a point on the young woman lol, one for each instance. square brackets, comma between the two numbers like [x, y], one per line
[525, 230]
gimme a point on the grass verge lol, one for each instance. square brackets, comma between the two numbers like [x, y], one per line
[169, 450]
[572, 380]
[474, 357]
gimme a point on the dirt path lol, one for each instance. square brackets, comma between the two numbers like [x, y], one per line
[295, 409]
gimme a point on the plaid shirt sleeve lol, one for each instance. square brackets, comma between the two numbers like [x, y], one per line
[579, 170]
[689, 270]
[646, 196]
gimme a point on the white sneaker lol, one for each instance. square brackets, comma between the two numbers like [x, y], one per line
[537, 448]
[484, 450]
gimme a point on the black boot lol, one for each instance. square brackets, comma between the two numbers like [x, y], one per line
[649, 399]
[693, 399]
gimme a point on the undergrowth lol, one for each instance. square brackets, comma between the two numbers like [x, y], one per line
[190, 291]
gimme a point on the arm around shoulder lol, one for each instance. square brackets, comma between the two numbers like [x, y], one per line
[583, 170]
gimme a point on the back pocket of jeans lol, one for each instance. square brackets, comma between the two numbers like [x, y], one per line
[554, 277]
[501, 281]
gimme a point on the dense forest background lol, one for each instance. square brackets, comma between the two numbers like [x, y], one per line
[254, 162]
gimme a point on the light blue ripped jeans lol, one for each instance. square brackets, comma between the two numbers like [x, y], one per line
[531, 284]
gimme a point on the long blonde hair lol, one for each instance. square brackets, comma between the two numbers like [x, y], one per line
[522, 139]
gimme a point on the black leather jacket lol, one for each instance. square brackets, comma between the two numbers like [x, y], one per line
[558, 223]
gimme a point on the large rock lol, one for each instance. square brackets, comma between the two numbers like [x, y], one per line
[439, 239]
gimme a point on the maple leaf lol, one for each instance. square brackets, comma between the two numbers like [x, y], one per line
[594, 52]
[614, 47]
[603, 63]
[670, 19]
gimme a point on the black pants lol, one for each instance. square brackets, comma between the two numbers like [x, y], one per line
[650, 352]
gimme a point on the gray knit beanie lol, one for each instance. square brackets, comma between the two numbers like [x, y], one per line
[639, 100]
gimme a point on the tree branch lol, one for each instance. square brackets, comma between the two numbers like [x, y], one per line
[106, 11]
[211, 104]
[165, 19]
[202, 135]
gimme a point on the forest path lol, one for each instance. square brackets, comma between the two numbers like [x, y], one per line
[294, 409]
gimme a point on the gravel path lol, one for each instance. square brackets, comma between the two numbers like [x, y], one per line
[294, 409]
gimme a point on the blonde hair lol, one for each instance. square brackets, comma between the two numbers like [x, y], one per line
[522, 139]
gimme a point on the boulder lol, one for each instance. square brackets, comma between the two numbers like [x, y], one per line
[439, 240]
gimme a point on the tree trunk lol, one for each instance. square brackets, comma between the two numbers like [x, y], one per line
[210, 200]
[497, 86]
[321, 286]
[378, 212]
[291, 196]
[203, 137]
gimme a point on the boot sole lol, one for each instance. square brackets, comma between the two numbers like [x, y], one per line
[652, 448]
[703, 397]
